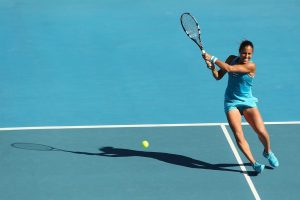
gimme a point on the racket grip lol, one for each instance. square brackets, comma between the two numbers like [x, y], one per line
[203, 51]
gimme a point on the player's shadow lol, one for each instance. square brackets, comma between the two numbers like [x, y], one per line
[170, 158]
[174, 159]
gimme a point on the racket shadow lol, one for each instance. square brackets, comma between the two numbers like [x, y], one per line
[169, 158]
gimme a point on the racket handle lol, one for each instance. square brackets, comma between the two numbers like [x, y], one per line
[207, 62]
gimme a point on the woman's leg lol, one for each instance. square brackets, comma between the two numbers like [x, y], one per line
[235, 121]
[255, 120]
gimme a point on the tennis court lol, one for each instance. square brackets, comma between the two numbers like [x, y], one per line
[95, 78]
[184, 161]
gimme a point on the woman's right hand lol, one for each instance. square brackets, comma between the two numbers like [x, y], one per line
[206, 56]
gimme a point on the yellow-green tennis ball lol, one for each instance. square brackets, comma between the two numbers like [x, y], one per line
[145, 144]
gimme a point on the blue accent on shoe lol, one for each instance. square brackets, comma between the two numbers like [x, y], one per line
[271, 158]
[258, 167]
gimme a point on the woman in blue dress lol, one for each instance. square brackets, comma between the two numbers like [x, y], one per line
[239, 101]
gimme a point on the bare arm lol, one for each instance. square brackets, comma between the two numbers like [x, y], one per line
[218, 74]
[242, 68]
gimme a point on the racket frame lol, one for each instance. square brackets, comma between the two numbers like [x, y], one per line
[200, 45]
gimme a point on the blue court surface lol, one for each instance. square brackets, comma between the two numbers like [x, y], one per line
[94, 78]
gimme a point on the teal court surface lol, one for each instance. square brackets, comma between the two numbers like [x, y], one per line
[183, 161]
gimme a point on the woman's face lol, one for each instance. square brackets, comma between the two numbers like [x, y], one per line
[246, 54]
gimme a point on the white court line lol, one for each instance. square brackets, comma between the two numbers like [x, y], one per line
[107, 126]
[132, 126]
[239, 160]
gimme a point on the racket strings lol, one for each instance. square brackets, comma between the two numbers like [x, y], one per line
[190, 26]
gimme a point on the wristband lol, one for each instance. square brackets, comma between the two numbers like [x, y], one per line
[213, 59]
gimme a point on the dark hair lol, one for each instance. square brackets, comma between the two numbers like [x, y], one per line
[244, 44]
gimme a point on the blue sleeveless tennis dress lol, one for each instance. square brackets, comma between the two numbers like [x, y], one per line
[238, 94]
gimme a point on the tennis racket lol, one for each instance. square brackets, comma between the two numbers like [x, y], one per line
[192, 29]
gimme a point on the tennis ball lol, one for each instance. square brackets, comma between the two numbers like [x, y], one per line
[145, 143]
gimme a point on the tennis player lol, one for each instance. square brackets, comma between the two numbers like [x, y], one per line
[239, 101]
